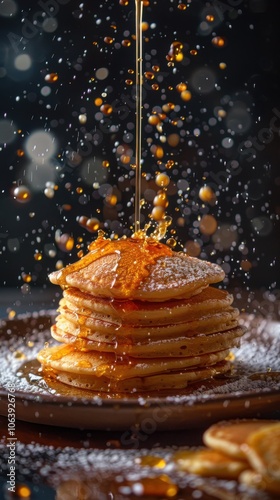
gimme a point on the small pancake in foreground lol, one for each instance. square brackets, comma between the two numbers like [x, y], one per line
[253, 479]
[262, 449]
[206, 462]
[229, 436]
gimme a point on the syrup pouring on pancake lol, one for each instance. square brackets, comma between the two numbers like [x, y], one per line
[135, 315]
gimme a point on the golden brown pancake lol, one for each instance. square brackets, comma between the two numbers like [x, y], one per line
[103, 372]
[87, 326]
[262, 449]
[229, 436]
[137, 269]
[258, 481]
[140, 312]
[209, 463]
[178, 347]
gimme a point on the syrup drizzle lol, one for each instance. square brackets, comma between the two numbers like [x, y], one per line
[139, 104]
[134, 255]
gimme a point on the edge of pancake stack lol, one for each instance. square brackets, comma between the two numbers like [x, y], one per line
[136, 316]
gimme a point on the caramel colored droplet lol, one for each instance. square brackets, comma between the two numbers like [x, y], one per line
[125, 159]
[171, 242]
[126, 43]
[206, 194]
[154, 120]
[124, 3]
[210, 18]
[193, 52]
[23, 491]
[27, 278]
[179, 57]
[162, 180]
[105, 164]
[182, 6]
[160, 486]
[22, 194]
[155, 86]
[170, 164]
[92, 224]
[65, 242]
[51, 77]
[20, 152]
[175, 48]
[129, 82]
[160, 200]
[222, 65]
[186, 95]
[145, 26]
[151, 461]
[106, 109]
[157, 213]
[82, 220]
[149, 75]
[208, 225]
[112, 199]
[157, 151]
[108, 39]
[218, 41]
[79, 190]
[181, 87]
[12, 314]
[156, 69]
[38, 256]
[98, 101]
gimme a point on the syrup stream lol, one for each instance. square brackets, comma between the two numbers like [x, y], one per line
[138, 116]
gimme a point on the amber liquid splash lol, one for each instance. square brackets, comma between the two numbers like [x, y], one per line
[139, 105]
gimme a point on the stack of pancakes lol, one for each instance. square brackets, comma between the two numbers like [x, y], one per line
[136, 316]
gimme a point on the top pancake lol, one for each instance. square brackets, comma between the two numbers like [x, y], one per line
[137, 269]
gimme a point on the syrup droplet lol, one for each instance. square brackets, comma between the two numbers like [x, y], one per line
[218, 41]
[151, 461]
[22, 194]
[51, 77]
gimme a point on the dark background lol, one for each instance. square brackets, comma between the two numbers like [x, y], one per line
[72, 41]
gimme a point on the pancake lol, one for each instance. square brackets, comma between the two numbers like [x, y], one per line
[139, 312]
[262, 449]
[256, 480]
[229, 436]
[209, 463]
[86, 363]
[137, 269]
[90, 370]
[137, 316]
[178, 347]
[87, 326]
